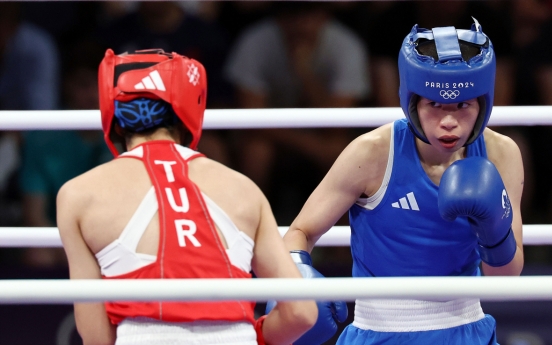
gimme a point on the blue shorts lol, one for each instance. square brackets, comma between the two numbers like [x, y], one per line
[482, 332]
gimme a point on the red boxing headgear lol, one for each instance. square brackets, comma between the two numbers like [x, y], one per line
[173, 78]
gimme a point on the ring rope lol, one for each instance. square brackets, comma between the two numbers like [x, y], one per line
[65, 291]
[348, 289]
[268, 118]
[337, 236]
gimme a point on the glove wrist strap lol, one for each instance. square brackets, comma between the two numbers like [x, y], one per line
[301, 257]
[500, 254]
[259, 330]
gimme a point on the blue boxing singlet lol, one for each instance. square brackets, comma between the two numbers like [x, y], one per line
[399, 232]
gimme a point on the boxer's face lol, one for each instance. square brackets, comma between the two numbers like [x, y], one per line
[447, 126]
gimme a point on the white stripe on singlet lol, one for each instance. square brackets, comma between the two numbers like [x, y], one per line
[371, 202]
[120, 257]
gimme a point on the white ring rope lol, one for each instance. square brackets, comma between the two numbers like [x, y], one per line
[268, 118]
[348, 289]
[60, 291]
[338, 236]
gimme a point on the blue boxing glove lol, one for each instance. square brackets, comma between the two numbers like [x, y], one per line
[329, 313]
[472, 187]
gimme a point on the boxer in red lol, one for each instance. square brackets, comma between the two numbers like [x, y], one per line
[162, 210]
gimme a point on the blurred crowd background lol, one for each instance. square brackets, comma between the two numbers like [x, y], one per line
[258, 54]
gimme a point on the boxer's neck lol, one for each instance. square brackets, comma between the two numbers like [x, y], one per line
[139, 138]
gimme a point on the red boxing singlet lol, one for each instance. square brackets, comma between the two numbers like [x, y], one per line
[189, 245]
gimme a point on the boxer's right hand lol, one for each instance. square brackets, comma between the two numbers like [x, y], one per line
[329, 313]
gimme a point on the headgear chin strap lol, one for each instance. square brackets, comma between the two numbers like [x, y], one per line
[450, 78]
[155, 75]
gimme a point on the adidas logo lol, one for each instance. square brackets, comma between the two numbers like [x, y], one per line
[152, 82]
[405, 204]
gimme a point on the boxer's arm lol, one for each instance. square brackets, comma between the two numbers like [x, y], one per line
[92, 322]
[506, 156]
[358, 170]
[289, 319]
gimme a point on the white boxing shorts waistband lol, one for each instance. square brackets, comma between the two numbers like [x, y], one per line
[399, 315]
[138, 331]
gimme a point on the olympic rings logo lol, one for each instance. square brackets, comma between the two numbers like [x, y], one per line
[449, 94]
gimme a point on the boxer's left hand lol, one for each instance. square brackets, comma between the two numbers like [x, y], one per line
[473, 187]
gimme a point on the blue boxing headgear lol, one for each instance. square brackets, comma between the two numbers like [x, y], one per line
[141, 114]
[463, 68]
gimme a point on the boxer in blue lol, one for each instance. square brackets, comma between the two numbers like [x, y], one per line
[435, 194]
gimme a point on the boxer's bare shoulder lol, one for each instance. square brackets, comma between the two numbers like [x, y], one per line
[500, 148]
[506, 156]
[364, 161]
[234, 192]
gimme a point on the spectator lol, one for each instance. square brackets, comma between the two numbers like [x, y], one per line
[29, 74]
[28, 81]
[51, 158]
[235, 16]
[300, 57]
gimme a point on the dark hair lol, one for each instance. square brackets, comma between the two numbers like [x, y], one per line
[119, 136]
